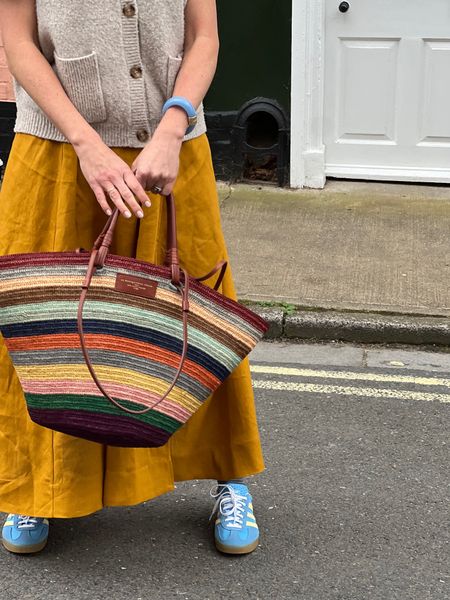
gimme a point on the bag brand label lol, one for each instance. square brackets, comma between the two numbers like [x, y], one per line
[137, 286]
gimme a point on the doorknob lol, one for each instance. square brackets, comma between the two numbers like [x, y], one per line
[344, 6]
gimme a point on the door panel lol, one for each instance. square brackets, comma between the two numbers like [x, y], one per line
[366, 112]
[387, 90]
[435, 106]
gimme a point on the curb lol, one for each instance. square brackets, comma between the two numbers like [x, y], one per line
[365, 328]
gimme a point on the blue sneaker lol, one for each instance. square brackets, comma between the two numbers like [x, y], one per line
[235, 531]
[24, 535]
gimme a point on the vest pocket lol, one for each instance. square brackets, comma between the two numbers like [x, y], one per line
[173, 66]
[80, 77]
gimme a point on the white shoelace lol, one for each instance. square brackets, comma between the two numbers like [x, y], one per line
[230, 504]
[26, 522]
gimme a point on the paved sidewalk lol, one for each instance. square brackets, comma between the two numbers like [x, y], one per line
[355, 255]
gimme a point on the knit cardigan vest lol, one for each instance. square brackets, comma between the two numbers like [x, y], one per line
[117, 61]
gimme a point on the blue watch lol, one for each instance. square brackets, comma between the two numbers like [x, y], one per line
[186, 106]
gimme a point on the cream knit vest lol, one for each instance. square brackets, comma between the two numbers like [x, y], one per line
[116, 59]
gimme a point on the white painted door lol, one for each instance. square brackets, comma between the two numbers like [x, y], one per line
[387, 90]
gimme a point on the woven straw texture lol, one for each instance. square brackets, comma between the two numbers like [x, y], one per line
[134, 343]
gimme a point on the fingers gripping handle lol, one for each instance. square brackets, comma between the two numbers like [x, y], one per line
[103, 242]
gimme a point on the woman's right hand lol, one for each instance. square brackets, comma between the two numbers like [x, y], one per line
[111, 179]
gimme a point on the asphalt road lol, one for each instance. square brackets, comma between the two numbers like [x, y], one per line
[353, 505]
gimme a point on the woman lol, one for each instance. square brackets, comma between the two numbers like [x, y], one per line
[94, 130]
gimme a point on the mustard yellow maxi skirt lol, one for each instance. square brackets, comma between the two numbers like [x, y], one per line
[47, 205]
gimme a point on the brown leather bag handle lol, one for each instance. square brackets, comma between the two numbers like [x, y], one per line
[184, 290]
[104, 240]
[97, 259]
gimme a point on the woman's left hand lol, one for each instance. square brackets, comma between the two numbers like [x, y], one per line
[158, 163]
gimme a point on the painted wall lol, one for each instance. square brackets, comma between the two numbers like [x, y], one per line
[6, 87]
[255, 53]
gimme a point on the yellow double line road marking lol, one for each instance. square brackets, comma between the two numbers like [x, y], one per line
[341, 390]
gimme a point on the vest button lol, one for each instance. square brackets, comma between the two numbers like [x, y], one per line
[129, 10]
[136, 72]
[142, 135]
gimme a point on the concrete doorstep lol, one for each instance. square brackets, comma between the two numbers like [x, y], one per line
[360, 262]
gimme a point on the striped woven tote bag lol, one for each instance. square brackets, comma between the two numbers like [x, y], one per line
[116, 350]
